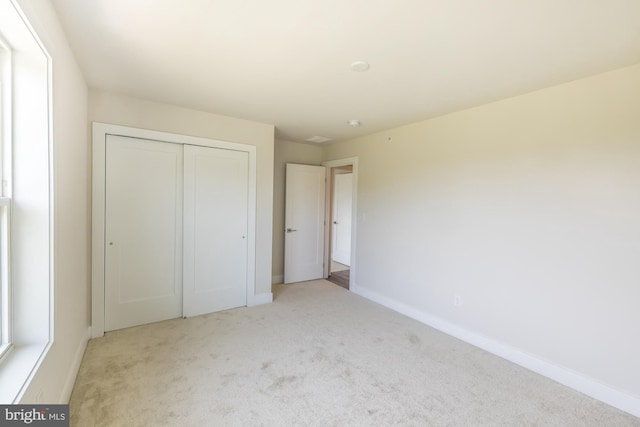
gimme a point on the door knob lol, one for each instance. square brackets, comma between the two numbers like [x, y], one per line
[335, 222]
[289, 230]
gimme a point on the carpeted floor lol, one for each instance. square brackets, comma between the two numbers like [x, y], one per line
[317, 356]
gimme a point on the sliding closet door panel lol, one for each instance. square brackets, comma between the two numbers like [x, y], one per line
[215, 229]
[143, 232]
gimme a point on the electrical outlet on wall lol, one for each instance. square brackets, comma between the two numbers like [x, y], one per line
[457, 300]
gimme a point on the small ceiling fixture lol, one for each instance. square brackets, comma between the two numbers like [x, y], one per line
[360, 66]
[354, 123]
[318, 139]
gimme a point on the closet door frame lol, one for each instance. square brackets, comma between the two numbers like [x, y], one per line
[100, 132]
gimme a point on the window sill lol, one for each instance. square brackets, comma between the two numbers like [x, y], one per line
[17, 368]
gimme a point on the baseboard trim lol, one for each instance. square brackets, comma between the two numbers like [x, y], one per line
[265, 298]
[65, 396]
[276, 280]
[562, 375]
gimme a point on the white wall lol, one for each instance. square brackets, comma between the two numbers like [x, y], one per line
[528, 209]
[121, 110]
[286, 152]
[54, 378]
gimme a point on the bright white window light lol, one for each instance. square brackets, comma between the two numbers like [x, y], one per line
[26, 233]
[5, 198]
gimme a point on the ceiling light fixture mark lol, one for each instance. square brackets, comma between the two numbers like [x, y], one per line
[318, 139]
[360, 66]
[354, 123]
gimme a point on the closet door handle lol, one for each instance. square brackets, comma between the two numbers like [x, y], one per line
[289, 230]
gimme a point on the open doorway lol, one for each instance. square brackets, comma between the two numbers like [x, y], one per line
[340, 214]
[309, 223]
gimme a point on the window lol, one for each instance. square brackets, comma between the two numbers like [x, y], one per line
[5, 198]
[5, 295]
[26, 238]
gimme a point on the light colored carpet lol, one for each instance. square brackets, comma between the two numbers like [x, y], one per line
[318, 356]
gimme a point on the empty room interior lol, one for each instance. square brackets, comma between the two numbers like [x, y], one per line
[220, 212]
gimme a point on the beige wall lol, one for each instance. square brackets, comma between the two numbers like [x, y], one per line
[54, 379]
[126, 111]
[528, 209]
[286, 152]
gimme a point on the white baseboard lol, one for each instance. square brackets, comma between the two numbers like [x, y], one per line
[265, 298]
[65, 396]
[589, 386]
[275, 280]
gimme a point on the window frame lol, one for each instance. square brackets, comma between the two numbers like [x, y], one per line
[27, 179]
[6, 330]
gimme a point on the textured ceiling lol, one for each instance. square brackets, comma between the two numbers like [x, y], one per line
[287, 62]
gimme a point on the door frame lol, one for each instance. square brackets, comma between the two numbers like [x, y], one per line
[99, 134]
[349, 161]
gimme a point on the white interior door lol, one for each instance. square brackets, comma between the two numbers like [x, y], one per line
[342, 200]
[216, 183]
[304, 223]
[143, 231]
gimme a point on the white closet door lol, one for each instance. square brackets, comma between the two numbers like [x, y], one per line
[216, 183]
[143, 232]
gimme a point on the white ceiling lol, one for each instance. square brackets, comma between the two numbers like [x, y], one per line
[287, 62]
